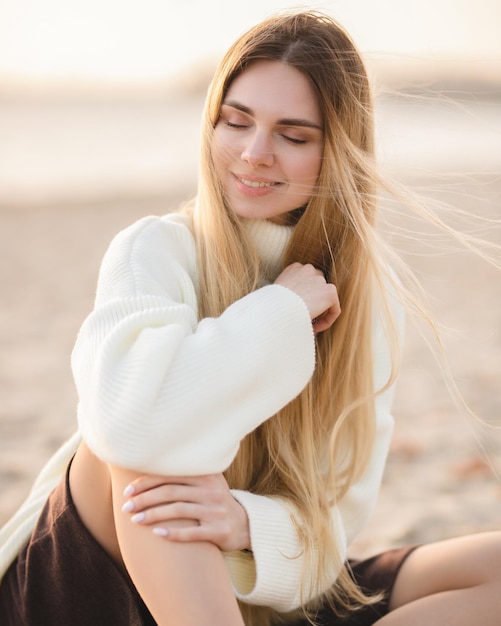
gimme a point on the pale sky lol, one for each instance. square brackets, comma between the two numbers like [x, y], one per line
[147, 40]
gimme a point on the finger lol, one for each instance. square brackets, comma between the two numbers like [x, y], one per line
[326, 320]
[156, 497]
[165, 494]
[219, 535]
[169, 512]
[177, 511]
[150, 481]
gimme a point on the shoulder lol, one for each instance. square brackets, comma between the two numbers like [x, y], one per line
[154, 239]
[173, 228]
[150, 254]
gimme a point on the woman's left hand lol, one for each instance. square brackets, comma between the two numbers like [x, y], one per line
[204, 504]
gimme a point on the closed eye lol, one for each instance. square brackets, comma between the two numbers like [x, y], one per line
[232, 125]
[293, 140]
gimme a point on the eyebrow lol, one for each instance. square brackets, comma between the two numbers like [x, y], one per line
[288, 121]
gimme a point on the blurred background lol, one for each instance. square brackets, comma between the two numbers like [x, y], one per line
[94, 94]
[100, 104]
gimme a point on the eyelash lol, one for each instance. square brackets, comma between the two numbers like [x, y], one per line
[231, 125]
[296, 142]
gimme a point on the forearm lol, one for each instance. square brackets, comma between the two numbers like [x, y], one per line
[137, 361]
[169, 575]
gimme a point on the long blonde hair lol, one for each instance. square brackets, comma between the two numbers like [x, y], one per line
[333, 419]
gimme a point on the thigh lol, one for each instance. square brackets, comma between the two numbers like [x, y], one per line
[181, 582]
[458, 563]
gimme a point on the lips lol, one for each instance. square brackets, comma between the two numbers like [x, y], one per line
[257, 184]
[254, 187]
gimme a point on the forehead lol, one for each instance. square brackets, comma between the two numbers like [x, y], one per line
[275, 89]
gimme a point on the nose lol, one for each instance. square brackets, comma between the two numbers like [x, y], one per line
[258, 150]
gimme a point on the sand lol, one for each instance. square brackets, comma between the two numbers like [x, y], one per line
[441, 478]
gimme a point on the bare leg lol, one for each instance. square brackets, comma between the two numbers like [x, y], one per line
[450, 583]
[185, 584]
[181, 583]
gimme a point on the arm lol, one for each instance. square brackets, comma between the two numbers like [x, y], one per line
[271, 575]
[144, 366]
[169, 575]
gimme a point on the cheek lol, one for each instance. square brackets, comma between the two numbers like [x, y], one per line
[215, 151]
[308, 168]
[221, 152]
[317, 161]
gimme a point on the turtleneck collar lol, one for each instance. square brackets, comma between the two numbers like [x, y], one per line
[271, 241]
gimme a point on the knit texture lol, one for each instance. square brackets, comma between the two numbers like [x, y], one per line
[161, 392]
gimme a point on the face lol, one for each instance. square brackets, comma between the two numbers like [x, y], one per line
[268, 142]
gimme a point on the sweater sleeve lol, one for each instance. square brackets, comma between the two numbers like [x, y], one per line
[163, 393]
[271, 575]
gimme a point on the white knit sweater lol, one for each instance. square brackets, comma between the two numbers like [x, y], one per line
[161, 392]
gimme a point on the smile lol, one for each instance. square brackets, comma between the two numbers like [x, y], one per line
[256, 184]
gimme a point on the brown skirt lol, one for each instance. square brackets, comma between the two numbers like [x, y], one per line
[374, 575]
[64, 577]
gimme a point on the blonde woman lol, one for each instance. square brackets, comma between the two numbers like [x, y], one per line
[235, 384]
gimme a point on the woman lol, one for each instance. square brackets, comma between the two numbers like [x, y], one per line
[226, 403]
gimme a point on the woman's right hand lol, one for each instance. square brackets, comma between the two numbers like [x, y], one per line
[320, 297]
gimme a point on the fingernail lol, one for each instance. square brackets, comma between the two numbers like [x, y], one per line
[128, 506]
[137, 518]
[161, 532]
[129, 490]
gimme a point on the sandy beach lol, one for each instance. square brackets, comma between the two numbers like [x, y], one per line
[73, 175]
